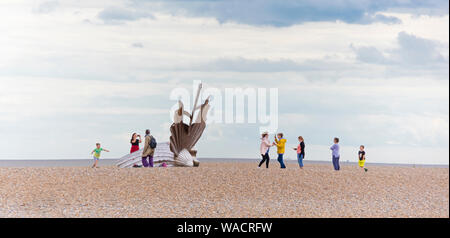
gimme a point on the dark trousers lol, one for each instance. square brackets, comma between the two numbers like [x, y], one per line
[336, 163]
[265, 158]
[149, 163]
[280, 160]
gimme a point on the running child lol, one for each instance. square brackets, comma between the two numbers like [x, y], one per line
[97, 151]
[362, 157]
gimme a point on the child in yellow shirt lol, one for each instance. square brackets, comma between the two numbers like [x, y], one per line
[362, 157]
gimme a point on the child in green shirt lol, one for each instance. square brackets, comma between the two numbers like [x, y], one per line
[97, 151]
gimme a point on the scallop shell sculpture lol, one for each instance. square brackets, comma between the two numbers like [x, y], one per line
[185, 159]
[178, 152]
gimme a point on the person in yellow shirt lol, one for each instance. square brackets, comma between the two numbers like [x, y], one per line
[362, 157]
[280, 142]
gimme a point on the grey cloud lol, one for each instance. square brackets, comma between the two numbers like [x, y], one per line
[46, 7]
[117, 14]
[416, 50]
[248, 65]
[375, 65]
[137, 45]
[369, 54]
[411, 50]
[241, 64]
[384, 19]
[289, 12]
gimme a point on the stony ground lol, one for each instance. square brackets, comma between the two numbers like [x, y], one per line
[225, 190]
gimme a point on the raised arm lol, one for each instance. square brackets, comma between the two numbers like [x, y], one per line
[279, 143]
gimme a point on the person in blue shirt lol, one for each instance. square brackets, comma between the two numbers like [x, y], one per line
[335, 154]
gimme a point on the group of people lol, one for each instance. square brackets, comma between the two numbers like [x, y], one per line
[280, 143]
[149, 148]
[136, 140]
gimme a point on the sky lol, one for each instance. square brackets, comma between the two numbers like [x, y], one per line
[73, 73]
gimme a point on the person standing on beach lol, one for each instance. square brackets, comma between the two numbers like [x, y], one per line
[97, 151]
[335, 154]
[264, 149]
[148, 150]
[280, 142]
[362, 158]
[135, 141]
[300, 151]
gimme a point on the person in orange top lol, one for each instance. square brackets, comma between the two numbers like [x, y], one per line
[300, 151]
[280, 142]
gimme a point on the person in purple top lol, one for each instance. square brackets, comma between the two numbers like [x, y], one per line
[335, 154]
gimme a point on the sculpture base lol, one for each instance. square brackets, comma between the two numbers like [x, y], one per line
[162, 155]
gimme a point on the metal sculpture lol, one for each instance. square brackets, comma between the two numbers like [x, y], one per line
[178, 152]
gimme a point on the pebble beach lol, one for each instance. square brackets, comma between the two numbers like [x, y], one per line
[225, 190]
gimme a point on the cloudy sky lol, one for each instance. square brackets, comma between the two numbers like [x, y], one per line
[371, 72]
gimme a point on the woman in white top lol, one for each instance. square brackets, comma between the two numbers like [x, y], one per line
[264, 149]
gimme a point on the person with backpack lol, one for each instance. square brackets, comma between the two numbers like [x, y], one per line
[149, 149]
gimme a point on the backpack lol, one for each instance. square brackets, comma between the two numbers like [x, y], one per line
[153, 142]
